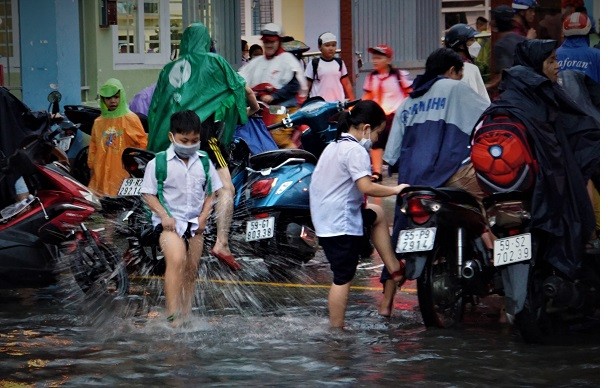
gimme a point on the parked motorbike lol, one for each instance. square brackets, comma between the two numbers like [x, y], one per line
[49, 227]
[438, 233]
[279, 225]
[540, 300]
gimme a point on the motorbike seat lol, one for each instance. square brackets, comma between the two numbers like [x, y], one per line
[458, 195]
[276, 157]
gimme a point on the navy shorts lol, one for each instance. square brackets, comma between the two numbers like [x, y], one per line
[343, 252]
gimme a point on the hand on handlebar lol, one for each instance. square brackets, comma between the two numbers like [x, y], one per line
[400, 188]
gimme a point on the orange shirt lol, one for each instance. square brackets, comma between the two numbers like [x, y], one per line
[109, 138]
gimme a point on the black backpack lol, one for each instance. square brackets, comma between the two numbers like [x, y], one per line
[315, 66]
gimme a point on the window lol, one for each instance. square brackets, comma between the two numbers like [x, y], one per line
[256, 13]
[9, 44]
[148, 32]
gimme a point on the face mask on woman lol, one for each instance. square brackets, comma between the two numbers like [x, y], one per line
[185, 151]
[474, 49]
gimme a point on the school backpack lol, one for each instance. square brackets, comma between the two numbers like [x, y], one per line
[315, 67]
[161, 175]
[501, 154]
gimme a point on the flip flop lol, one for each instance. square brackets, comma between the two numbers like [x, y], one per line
[229, 260]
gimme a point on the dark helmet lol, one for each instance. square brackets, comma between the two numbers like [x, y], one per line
[458, 35]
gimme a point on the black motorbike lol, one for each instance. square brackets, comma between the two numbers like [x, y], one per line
[438, 233]
[540, 300]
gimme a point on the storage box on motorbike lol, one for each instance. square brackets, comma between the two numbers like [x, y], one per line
[502, 156]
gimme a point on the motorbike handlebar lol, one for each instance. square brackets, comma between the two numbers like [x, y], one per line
[280, 124]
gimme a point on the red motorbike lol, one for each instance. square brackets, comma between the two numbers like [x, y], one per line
[45, 234]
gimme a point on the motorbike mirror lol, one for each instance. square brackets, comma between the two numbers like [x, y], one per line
[54, 96]
[277, 110]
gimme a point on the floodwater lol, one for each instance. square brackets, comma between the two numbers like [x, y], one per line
[259, 329]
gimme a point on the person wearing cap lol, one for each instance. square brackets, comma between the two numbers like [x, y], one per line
[276, 67]
[327, 75]
[461, 38]
[116, 129]
[504, 46]
[575, 53]
[525, 12]
[277, 77]
[388, 87]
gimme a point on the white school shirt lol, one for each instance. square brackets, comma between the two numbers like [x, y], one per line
[387, 89]
[328, 84]
[277, 71]
[335, 200]
[184, 188]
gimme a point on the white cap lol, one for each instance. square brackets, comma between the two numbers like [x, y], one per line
[271, 29]
[577, 23]
[326, 38]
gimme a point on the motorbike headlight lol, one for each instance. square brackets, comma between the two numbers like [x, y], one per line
[92, 198]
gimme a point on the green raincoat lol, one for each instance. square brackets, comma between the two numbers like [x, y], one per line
[200, 81]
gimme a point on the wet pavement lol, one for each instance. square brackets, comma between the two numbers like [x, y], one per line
[262, 328]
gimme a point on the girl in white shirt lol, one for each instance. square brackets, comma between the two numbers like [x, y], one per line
[341, 179]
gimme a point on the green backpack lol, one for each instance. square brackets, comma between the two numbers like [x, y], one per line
[161, 175]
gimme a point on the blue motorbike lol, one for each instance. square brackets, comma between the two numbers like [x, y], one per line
[276, 196]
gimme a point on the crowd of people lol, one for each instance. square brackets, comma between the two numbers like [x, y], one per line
[420, 125]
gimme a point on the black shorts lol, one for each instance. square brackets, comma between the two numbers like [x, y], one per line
[217, 153]
[343, 252]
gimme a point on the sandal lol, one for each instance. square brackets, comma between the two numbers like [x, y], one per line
[399, 275]
[376, 177]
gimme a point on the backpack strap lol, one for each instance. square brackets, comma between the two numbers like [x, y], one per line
[161, 175]
[204, 158]
[315, 66]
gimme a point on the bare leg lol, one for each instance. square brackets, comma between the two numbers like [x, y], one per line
[382, 242]
[195, 252]
[174, 249]
[224, 209]
[336, 303]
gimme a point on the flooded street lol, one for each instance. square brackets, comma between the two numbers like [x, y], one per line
[258, 329]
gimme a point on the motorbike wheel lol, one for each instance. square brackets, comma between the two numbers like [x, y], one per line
[80, 169]
[533, 322]
[90, 271]
[440, 294]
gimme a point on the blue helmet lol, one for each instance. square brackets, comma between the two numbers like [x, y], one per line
[524, 4]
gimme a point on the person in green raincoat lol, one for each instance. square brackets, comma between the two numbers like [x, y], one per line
[205, 83]
[116, 129]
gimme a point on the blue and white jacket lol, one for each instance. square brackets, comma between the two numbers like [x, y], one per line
[431, 131]
[575, 54]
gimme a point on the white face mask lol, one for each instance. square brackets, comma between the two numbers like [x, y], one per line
[474, 49]
[366, 143]
[185, 151]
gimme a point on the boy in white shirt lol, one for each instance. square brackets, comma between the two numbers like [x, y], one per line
[328, 76]
[181, 209]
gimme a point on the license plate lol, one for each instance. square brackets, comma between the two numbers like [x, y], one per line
[64, 143]
[416, 240]
[130, 186]
[512, 249]
[259, 229]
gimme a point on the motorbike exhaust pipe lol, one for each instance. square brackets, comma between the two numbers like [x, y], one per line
[470, 269]
[297, 232]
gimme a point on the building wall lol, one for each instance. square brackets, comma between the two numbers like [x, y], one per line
[50, 57]
[321, 16]
[292, 18]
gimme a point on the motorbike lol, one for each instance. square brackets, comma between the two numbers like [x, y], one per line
[278, 225]
[540, 300]
[438, 232]
[48, 228]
